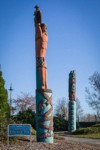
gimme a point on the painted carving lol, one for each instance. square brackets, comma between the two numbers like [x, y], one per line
[44, 108]
[41, 39]
[72, 85]
[72, 102]
[44, 115]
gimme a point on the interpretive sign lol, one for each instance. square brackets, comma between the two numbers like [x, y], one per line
[19, 130]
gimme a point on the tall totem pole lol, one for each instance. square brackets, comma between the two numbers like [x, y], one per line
[44, 109]
[72, 102]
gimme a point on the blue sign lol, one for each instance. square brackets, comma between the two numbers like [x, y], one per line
[19, 130]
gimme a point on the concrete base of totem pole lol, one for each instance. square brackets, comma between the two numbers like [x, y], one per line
[44, 115]
[72, 116]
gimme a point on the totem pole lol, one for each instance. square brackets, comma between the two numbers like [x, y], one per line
[72, 102]
[44, 109]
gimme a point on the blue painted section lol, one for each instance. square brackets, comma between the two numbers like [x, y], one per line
[45, 108]
[72, 116]
[15, 130]
[44, 133]
[47, 140]
[38, 79]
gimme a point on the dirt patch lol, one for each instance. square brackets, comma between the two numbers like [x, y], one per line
[58, 145]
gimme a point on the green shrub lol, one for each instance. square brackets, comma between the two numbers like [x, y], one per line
[86, 124]
[60, 124]
[33, 131]
[96, 125]
[89, 130]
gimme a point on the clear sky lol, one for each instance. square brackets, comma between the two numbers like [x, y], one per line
[74, 44]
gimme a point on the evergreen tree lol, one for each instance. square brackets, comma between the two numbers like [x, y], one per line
[4, 107]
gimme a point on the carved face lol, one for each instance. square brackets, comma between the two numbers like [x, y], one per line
[44, 28]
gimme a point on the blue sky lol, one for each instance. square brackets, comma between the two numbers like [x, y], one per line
[74, 44]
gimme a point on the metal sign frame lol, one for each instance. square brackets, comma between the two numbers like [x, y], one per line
[17, 135]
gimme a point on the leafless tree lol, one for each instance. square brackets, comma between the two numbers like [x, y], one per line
[61, 109]
[93, 96]
[88, 118]
[24, 101]
[79, 110]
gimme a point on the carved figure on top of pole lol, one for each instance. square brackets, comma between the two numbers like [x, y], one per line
[44, 109]
[41, 39]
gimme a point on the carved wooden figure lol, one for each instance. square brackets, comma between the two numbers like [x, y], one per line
[72, 102]
[41, 39]
[44, 108]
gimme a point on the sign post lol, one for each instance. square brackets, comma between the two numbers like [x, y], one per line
[19, 130]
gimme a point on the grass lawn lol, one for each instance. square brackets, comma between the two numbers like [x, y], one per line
[95, 136]
[89, 132]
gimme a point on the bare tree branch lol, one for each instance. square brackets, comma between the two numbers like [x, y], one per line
[61, 109]
[24, 101]
[93, 97]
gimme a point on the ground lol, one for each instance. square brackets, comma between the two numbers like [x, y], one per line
[46, 146]
[61, 142]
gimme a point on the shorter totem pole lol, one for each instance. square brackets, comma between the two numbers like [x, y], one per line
[44, 109]
[72, 102]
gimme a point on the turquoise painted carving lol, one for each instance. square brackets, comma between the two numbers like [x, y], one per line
[72, 116]
[72, 102]
[38, 79]
[44, 115]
